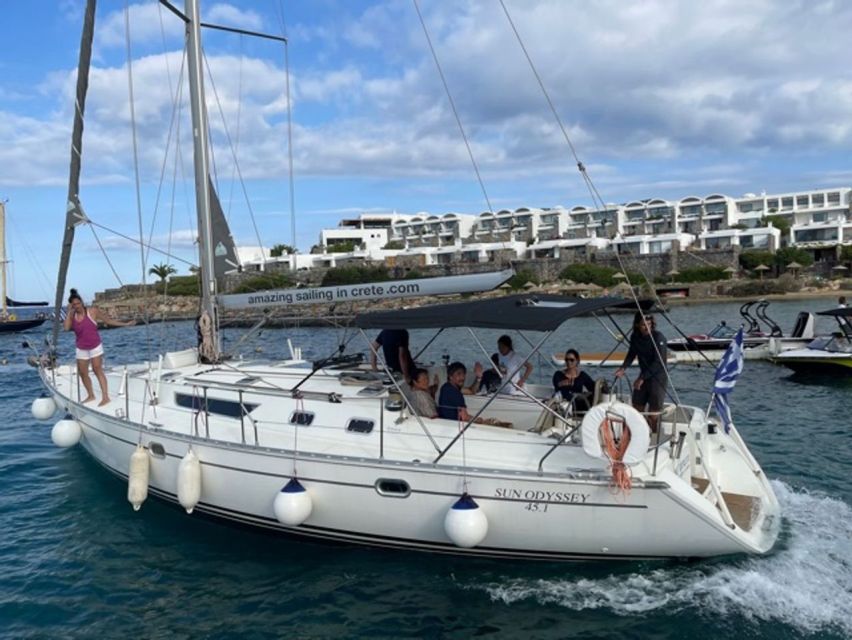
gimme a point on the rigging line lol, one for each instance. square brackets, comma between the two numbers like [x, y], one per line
[134, 240]
[237, 135]
[595, 195]
[172, 127]
[19, 239]
[453, 106]
[290, 146]
[171, 223]
[292, 182]
[106, 256]
[136, 172]
[233, 152]
[582, 168]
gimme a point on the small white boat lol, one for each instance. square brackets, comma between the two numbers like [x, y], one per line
[827, 354]
[757, 345]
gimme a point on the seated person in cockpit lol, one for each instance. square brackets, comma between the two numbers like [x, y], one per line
[421, 395]
[572, 384]
[492, 378]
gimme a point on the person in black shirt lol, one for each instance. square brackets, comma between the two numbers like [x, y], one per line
[649, 346]
[574, 385]
[451, 404]
[394, 344]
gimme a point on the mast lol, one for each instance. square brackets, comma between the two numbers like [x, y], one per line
[76, 158]
[3, 256]
[202, 167]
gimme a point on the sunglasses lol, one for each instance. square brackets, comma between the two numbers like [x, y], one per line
[570, 359]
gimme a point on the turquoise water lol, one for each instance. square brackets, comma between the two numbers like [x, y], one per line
[78, 562]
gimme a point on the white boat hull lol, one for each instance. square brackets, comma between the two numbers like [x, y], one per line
[558, 513]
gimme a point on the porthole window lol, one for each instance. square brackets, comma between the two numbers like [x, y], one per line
[393, 488]
[360, 425]
[304, 418]
[157, 450]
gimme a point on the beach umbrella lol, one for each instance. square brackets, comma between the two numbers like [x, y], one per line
[671, 274]
[794, 267]
[505, 285]
[622, 287]
[839, 267]
[731, 271]
[591, 286]
[760, 269]
[530, 285]
[619, 276]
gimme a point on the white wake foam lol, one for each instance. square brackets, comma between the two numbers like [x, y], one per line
[806, 584]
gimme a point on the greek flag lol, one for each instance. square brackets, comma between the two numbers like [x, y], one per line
[729, 369]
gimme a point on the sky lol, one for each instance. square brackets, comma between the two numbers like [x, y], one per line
[660, 98]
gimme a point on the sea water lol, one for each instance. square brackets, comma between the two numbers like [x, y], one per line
[77, 561]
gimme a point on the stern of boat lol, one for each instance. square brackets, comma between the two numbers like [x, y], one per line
[717, 475]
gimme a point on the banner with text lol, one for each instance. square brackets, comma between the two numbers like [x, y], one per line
[367, 291]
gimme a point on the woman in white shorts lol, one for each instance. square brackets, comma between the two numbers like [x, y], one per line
[84, 323]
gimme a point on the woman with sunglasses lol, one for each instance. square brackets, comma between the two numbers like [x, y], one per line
[574, 385]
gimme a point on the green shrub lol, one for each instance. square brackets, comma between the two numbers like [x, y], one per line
[786, 255]
[281, 249]
[523, 276]
[264, 281]
[347, 246]
[394, 245]
[702, 274]
[354, 275]
[180, 286]
[846, 253]
[414, 274]
[753, 257]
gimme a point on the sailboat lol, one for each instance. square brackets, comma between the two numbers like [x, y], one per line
[325, 452]
[9, 320]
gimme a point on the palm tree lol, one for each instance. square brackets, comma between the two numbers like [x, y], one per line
[162, 271]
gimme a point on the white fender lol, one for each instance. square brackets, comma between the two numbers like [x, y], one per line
[67, 432]
[189, 481]
[43, 407]
[465, 523]
[293, 504]
[640, 433]
[137, 477]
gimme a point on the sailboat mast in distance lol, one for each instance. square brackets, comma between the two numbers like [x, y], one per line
[3, 254]
[202, 168]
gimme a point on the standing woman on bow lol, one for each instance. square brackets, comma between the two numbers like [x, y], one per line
[83, 321]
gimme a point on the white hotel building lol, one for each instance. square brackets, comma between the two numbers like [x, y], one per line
[819, 220]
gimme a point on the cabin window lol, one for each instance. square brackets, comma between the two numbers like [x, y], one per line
[393, 488]
[360, 425]
[304, 418]
[229, 408]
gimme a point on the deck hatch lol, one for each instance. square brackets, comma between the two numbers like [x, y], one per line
[360, 425]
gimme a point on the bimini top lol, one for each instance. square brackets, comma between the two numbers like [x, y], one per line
[533, 312]
[839, 312]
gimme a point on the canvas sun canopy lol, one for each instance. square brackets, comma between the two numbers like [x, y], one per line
[840, 312]
[532, 312]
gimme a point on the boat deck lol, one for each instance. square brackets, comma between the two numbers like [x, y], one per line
[744, 509]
